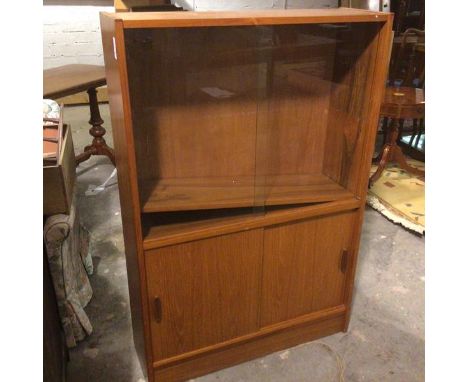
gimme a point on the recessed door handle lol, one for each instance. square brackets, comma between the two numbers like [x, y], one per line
[344, 260]
[157, 309]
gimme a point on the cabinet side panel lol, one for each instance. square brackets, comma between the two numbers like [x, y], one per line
[349, 105]
[112, 40]
[382, 43]
[378, 80]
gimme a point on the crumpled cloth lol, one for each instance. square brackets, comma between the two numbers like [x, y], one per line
[67, 245]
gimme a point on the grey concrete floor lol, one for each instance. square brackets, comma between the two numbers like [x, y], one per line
[385, 341]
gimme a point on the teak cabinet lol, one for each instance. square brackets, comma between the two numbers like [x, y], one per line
[243, 143]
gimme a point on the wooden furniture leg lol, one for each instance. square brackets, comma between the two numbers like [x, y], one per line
[420, 131]
[384, 159]
[399, 157]
[392, 153]
[414, 132]
[378, 158]
[99, 145]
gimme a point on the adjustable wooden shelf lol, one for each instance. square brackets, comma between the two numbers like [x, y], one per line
[243, 144]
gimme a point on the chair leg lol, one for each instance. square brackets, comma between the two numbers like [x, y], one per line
[420, 131]
[401, 123]
[384, 130]
[414, 132]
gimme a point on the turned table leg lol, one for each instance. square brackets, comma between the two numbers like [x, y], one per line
[378, 158]
[98, 145]
[387, 152]
[393, 153]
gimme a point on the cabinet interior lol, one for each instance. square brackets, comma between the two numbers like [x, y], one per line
[248, 116]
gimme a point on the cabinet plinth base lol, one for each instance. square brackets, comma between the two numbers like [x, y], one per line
[299, 331]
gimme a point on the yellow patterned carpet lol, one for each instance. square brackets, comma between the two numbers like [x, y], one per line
[399, 196]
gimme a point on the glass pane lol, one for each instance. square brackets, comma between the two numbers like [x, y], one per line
[236, 117]
[194, 102]
[310, 120]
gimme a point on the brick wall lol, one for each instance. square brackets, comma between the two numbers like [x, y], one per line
[72, 34]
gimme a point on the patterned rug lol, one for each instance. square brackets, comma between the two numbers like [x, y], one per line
[399, 196]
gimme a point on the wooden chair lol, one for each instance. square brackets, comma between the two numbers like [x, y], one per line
[407, 68]
[403, 102]
[408, 14]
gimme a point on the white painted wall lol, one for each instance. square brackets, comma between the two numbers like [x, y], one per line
[72, 34]
[206, 5]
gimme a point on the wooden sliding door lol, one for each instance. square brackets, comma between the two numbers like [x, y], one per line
[304, 266]
[203, 292]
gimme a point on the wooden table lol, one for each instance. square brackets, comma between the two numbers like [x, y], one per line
[71, 79]
[399, 104]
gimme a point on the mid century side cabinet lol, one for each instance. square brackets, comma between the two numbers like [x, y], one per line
[243, 144]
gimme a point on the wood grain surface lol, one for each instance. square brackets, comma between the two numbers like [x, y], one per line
[243, 158]
[208, 290]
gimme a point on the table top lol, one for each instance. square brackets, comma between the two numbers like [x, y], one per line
[404, 96]
[403, 103]
[71, 79]
[409, 40]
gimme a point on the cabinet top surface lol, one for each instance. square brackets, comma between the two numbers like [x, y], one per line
[257, 17]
